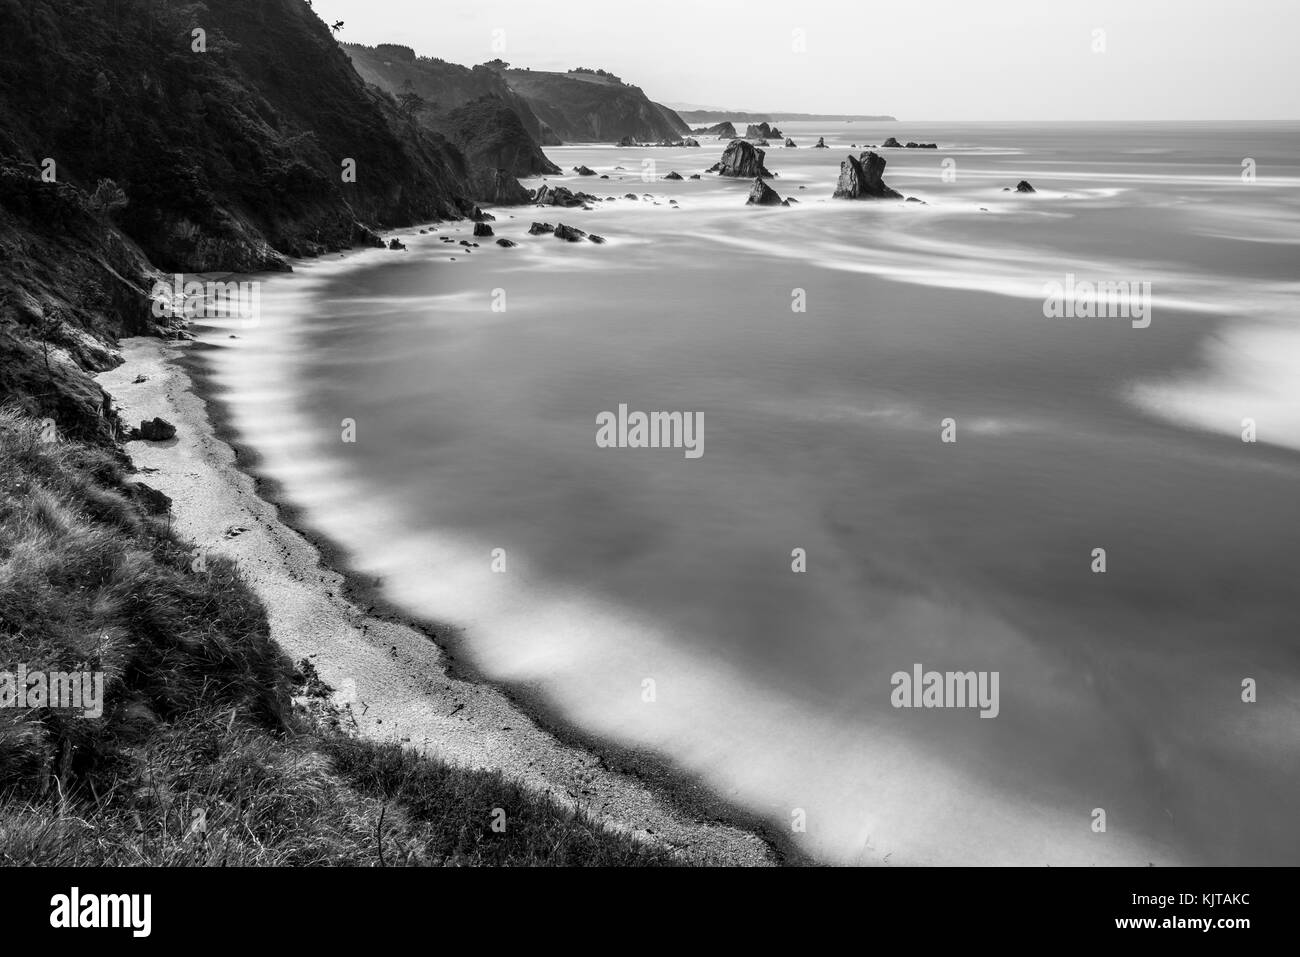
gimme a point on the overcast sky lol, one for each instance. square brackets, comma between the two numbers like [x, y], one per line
[915, 59]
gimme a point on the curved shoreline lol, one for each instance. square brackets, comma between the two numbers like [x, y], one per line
[349, 621]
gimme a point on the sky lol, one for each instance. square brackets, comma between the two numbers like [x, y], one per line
[914, 59]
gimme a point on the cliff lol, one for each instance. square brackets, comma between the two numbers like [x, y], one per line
[588, 107]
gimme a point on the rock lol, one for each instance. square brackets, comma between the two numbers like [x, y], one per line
[691, 143]
[569, 233]
[584, 171]
[482, 229]
[742, 159]
[695, 176]
[598, 240]
[762, 131]
[891, 143]
[540, 229]
[140, 378]
[1024, 187]
[860, 178]
[631, 196]
[714, 168]
[790, 199]
[760, 194]
[821, 144]
[395, 244]
[154, 501]
[481, 217]
[507, 243]
[722, 130]
[604, 176]
[627, 141]
[913, 199]
[157, 430]
[790, 144]
[560, 196]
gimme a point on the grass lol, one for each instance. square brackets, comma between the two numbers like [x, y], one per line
[202, 757]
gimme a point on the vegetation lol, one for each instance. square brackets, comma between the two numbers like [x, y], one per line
[201, 756]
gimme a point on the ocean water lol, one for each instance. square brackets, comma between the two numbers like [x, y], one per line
[636, 573]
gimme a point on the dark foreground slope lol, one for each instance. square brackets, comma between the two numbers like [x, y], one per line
[201, 756]
[588, 107]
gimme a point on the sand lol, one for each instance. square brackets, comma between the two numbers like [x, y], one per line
[397, 682]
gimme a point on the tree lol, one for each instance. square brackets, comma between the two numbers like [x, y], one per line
[336, 26]
[411, 105]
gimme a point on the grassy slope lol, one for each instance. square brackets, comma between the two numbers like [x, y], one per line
[198, 718]
[585, 108]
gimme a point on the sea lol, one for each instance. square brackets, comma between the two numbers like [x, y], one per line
[1047, 443]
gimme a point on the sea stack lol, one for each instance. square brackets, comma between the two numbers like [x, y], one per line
[861, 178]
[743, 160]
[762, 195]
[821, 144]
[1024, 187]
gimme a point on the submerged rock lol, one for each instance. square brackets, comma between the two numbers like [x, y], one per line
[598, 240]
[743, 159]
[569, 233]
[540, 229]
[507, 243]
[1024, 187]
[760, 194]
[560, 196]
[673, 175]
[861, 178]
[695, 176]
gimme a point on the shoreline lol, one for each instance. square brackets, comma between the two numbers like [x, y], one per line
[410, 682]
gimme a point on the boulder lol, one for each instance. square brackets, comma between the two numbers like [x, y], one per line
[569, 233]
[1024, 187]
[584, 171]
[482, 229]
[507, 243]
[560, 196]
[760, 194]
[540, 229]
[154, 501]
[743, 160]
[673, 175]
[631, 196]
[695, 176]
[891, 143]
[396, 244]
[598, 240]
[860, 178]
[714, 168]
[157, 430]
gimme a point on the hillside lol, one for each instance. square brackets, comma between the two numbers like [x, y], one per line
[588, 107]
[710, 117]
[123, 147]
[473, 107]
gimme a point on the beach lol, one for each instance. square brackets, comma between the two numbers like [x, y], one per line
[391, 676]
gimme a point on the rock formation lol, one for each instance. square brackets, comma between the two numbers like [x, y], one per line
[790, 144]
[760, 194]
[860, 178]
[821, 144]
[1024, 187]
[744, 160]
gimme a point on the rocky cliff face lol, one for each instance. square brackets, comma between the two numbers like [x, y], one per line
[128, 141]
[588, 108]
